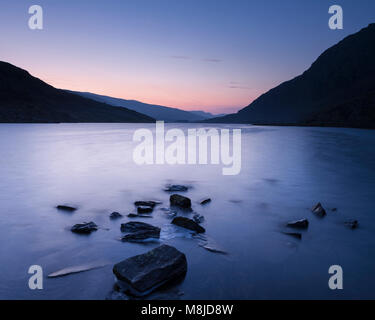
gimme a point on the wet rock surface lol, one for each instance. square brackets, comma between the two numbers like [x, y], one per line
[139, 231]
[115, 215]
[188, 224]
[177, 200]
[66, 208]
[299, 224]
[319, 210]
[142, 274]
[176, 188]
[84, 228]
[146, 203]
[296, 235]
[205, 201]
[145, 209]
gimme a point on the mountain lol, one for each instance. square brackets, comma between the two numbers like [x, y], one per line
[337, 90]
[207, 115]
[155, 111]
[25, 99]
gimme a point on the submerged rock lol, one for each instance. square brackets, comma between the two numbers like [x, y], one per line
[352, 224]
[145, 209]
[198, 218]
[180, 201]
[85, 227]
[115, 215]
[205, 201]
[188, 224]
[176, 188]
[319, 210]
[299, 224]
[139, 231]
[142, 274]
[66, 208]
[294, 234]
[135, 215]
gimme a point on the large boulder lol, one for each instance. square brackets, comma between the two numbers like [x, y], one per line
[188, 224]
[177, 200]
[142, 274]
[86, 227]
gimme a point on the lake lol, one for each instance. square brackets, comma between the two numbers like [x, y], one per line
[285, 171]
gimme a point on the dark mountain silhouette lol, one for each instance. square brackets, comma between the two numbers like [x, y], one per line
[157, 112]
[337, 90]
[24, 99]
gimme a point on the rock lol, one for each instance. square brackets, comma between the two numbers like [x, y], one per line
[352, 224]
[86, 227]
[146, 203]
[180, 201]
[176, 188]
[198, 218]
[139, 231]
[294, 234]
[115, 215]
[145, 209]
[188, 224]
[144, 273]
[132, 215]
[205, 201]
[319, 210]
[66, 208]
[299, 224]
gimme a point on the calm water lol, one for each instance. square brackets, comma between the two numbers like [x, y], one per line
[284, 172]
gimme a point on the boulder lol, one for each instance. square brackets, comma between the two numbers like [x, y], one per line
[145, 209]
[66, 208]
[319, 210]
[205, 201]
[144, 273]
[139, 231]
[115, 215]
[177, 200]
[176, 188]
[85, 227]
[299, 224]
[188, 224]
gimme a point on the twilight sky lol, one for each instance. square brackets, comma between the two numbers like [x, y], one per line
[213, 55]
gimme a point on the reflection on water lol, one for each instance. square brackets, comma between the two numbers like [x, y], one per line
[284, 172]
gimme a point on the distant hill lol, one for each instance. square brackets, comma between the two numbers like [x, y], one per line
[26, 99]
[337, 90]
[157, 112]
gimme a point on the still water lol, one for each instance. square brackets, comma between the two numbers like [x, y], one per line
[285, 171]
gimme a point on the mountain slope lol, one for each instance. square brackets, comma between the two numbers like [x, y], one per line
[155, 111]
[337, 90]
[24, 98]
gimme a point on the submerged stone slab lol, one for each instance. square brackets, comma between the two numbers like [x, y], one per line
[188, 224]
[142, 274]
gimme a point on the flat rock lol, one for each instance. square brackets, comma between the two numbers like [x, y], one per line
[135, 226]
[85, 227]
[318, 210]
[176, 188]
[146, 203]
[177, 200]
[188, 224]
[145, 209]
[139, 231]
[135, 215]
[294, 234]
[115, 215]
[144, 273]
[205, 201]
[66, 208]
[299, 224]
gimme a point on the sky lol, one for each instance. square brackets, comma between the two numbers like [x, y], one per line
[211, 55]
